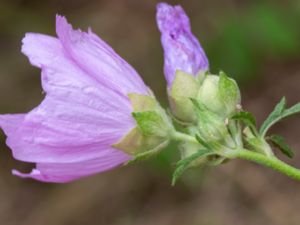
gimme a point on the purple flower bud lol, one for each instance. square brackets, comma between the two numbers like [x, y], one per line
[182, 50]
[86, 109]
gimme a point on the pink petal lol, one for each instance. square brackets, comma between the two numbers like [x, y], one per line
[78, 120]
[99, 60]
[182, 50]
[59, 131]
[41, 49]
[66, 172]
[85, 111]
[11, 122]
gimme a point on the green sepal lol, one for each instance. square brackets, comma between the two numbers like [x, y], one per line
[152, 126]
[184, 86]
[279, 143]
[208, 95]
[201, 75]
[215, 160]
[151, 123]
[142, 103]
[229, 93]
[248, 119]
[150, 117]
[211, 126]
[184, 164]
[235, 130]
[202, 142]
[260, 145]
[279, 113]
[220, 94]
[135, 142]
[214, 146]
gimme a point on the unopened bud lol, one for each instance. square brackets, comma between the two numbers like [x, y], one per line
[220, 95]
[211, 126]
[184, 87]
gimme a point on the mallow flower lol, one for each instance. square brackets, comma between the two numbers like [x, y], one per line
[98, 113]
[85, 123]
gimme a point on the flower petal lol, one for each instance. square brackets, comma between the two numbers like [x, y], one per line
[66, 172]
[99, 60]
[182, 51]
[78, 120]
[41, 49]
[58, 131]
[11, 122]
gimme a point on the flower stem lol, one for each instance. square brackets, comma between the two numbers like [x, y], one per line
[178, 136]
[270, 162]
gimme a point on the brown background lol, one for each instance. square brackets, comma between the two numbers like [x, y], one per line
[256, 42]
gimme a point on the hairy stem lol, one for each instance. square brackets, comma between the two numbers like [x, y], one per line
[178, 136]
[271, 162]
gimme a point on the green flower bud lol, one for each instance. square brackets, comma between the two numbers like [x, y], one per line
[211, 126]
[220, 95]
[184, 87]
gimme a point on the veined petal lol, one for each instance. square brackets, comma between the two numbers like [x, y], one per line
[79, 118]
[99, 60]
[66, 172]
[182, 50]
[11, 122]
[41, 49]
[58, 131]
[86, 109]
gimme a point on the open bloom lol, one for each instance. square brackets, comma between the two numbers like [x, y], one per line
[86, 109]
[182, 50]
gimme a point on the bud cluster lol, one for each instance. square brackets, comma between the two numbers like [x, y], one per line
[203, 105]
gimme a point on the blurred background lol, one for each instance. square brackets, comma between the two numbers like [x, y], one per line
[256, 42]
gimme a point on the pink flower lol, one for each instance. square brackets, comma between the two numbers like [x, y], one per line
[86, 108]
[182, 50]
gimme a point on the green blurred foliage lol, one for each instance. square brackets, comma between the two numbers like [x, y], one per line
[247, 39]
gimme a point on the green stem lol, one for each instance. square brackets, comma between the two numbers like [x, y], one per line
[178, 136]
[270, 162]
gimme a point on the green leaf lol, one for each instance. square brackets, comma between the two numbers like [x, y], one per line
[145, 155]
[278, 114]
[279, 142]
[273, 117]
[150, 123]
[183, 164]
[291, 111]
